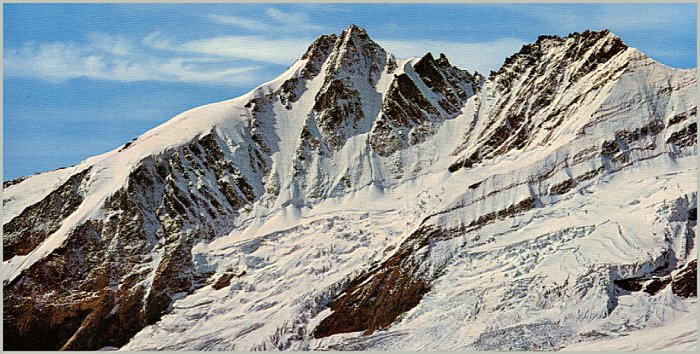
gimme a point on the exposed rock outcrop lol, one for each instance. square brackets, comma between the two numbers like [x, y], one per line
[321, 204]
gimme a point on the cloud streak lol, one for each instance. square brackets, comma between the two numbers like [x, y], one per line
[275, 21]
[280, 51]
[272, 40]
[241, 22]
[116, 59]
[224, 60]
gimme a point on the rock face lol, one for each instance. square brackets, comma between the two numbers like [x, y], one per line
[409, 116]
[23, 233]
[364, 202]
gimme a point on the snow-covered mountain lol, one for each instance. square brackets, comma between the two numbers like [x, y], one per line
[363, 202]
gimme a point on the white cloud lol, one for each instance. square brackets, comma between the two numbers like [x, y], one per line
[110, 44]
[277, 21]
[242, 22]
[281, 51]
[58, 62]
[479, 56]
[296, 20]
[225, 60]
[235, 60]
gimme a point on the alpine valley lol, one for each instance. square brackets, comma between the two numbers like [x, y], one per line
[361, 202]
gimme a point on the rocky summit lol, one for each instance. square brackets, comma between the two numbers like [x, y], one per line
[363, 202]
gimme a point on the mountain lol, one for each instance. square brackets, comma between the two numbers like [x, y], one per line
[362, 202]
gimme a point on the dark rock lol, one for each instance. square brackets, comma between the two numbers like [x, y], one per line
[337, 109]
[317, 54]
[12, 182]
[408, 117]
[376, 299]
[590, 174]
[684, 284]
[520, 207]
[452, 84]
[685, 137]
[677, 119]
[656, 285]
[540, 80]
[223, 281]
[609, 148]
[404, 109]
[391, 65]
[99, 288]
[127, 145]
[631, 284]
[562, 187]
[26, 231]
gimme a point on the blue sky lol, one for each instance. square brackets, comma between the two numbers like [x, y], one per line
[82, 79]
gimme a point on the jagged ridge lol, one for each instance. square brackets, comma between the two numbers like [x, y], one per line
[346, 119]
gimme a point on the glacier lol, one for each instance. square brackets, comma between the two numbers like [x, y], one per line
[365, 202]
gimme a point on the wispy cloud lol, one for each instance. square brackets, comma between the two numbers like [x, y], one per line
[110, 44]
[224, 60]
[275, 38]
[298, 20]
[117, 59]
[275, 21]
[281, 51]
[479, 56]
[242, 22]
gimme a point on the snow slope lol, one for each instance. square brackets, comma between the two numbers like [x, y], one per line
[360, 202]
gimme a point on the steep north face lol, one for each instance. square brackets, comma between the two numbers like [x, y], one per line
[361, 202]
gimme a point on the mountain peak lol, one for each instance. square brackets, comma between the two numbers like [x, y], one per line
[356, 36]
[320, 45]
[442, 60]
[354, 29]
[354, 47]
[351, 37]
[588, 35]
[593, 47]
[334, 174]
